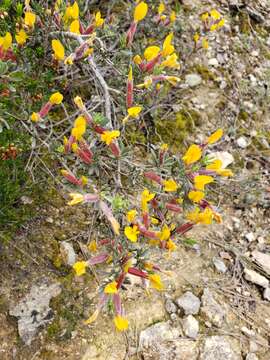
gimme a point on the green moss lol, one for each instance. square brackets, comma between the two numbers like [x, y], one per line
[205, 72]
[173, 131]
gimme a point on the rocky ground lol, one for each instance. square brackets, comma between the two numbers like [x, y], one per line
[217, 300]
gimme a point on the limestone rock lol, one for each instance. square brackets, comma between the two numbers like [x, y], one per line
[33, 311]
[262, 259]
[193, 80]
[256, 278]
[218, 348]
[189, 303]
[191, 327]
[211, 309]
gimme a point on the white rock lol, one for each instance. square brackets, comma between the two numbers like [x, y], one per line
[262, 259]
[242, 142]
[225, 157]
[191, 327]
[211, 309]
[266, 294]
[154, 334]
[189, 303]
[213, 62]
[67, 252]
[256, 278]
[193, 80]
[250, 236]
[219, 265]
[218, 348]
[251, 356]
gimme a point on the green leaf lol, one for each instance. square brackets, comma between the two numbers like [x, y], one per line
[100, 119]
[189, 241]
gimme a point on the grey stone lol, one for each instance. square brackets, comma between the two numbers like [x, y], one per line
[156, 333]
[180, 349]
[193, 80]
[33, 311]
[266, 294]
[262, 259]
[218, 348]
[219, 265]
[250, 236]
[211, 309]
[213, 62]
[256, 278]
[189, 303]
[225, 157]
[67, 252]
[242, 142]
[170, 306]
[251, 356]
[191, 327]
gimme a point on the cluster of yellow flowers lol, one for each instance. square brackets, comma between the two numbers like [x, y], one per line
[21, 36]
[211, 21]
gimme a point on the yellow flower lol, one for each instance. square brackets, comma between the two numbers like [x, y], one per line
[215, 165]
[225, 172]
[137, 59]
[171, 245]
[193, 215]
[80, 122]
[201, 180]
[172, 17]
[192, 155]
[205, 43]
[140, 11]
[111, 288]
[154, 221]
[205, 16]
[161, 8]
[80, 267]
[165, 233]
[78, 101]
[164, 147]
[109, 136]
[21, 37]
[168, 48]
[120, 323]
[77, 133]
[127, 265]
[146, 197]
[213, 27]
[196, 196]
[170, 185]
[131, 233]
[156, 282]
[171, 62]
[151, 52]
[98, 19]
[56, 98]
[130, 76]
[69, 60]
[92, 246]
[84, 180]
[196, 37]
[215, 14]
[35, 117]
[173, 79]
[221, 23]
[76, 198]
[6, 41]
[134, 111]
[29, 19]
[131, 215]
[72, 12]
[206, 216]
[215, 136]
[146, 84]
[75, 27]
[58, 49]
[92, 318]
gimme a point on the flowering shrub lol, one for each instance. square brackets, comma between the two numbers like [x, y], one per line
[173, 190]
